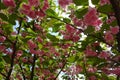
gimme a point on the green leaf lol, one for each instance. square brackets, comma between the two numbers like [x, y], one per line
[12, 19]
[95, 2]
[8, 28]
[2, 6]
[81, 12]
[73, 59]
[7, 59]
[3, 16]
[106, 9]
[90, 29]
[66, 20]
[51, 12]
[1, 66]
[80, 2]
[56, 27]
[52, 37]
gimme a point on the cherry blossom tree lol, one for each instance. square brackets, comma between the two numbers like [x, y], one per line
[45, 39]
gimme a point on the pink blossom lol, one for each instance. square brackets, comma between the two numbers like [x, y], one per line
[92, 69]
[40, 13]
[75, 38]
[2, 38]
[46, 5]
[32, 14]
[71, 33]
[108, 37]
[70, 29]
[114, 30]
[24, 59]
[91, 18]
[31, 44]
[90, 52]
[103, 2]
[116, 71]
[37, 26]
[77, 22]
[56, 54]
[64, 3]
[2, 48]
[26, 7]
[9, 3]
[92, 78]
[39, 39]
[104, 55]
[19, 53]
[34, 3]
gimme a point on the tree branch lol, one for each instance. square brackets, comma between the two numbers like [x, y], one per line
[60, 71]
[13, 54]
[33, 67]
[116, 8]
[3, 74]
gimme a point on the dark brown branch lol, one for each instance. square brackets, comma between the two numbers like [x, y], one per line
[22, 71]
[13, 54]
[2, 74]
[33, 67]
[116, 8]
[60, 71]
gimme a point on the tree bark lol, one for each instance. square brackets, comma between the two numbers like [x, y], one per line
[116, 7]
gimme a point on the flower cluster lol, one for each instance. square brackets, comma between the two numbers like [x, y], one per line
[91, 18]
[28, 10]
[9, 3]
[64, 3]
[71, 33]
[109, 35]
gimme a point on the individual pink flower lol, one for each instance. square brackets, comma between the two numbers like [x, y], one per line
[2, 48]
[34, 3]
[9, 3]
[24, 60]
[2, 38]
[104, 55]
[78, 22]
[116, 71]
[92, 69]
[32, 14]
[91, 18]
[92, 78]
[39, 39]
[75, 38]
[108, 37]
[103, 2]
[46, 5]
[37, 26]
[89, 52]
[114, 30]
[70, 29]
[19, 53]
[40, 13]
[31, 44]
[26, 7]
[64, 3]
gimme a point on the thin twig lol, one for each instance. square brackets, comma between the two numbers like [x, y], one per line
[22, 71]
